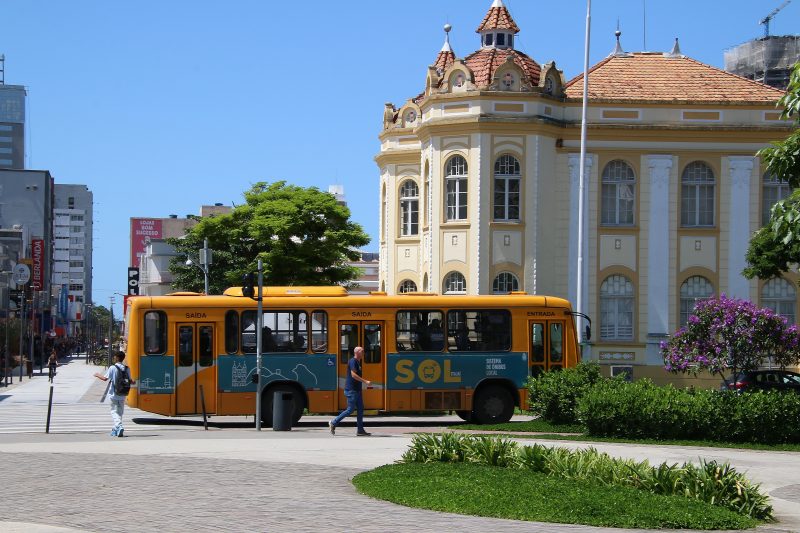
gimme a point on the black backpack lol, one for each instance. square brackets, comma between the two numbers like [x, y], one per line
[122, 381]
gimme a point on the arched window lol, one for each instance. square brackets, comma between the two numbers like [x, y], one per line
[616, 308]
[780, 296]
[506, 188]
[774, 189]
[406, 286]
[456, 188]
[426, 194]
[618, 195]
[425, 282]
[504, 283]
[697, 195]
[454, 283]
[409, 208]
[693, 289]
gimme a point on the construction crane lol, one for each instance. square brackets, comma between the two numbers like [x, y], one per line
[765, 20]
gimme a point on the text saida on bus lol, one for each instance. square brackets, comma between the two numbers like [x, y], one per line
[423, 352]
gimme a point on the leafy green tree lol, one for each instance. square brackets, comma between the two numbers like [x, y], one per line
[776, 246]
[302, 235]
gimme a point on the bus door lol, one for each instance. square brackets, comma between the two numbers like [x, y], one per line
[195, 368]
[546, 345]
[369, 335]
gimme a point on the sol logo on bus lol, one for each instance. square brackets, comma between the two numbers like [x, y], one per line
[428, 371]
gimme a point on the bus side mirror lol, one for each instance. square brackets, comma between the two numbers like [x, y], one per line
[587, 333]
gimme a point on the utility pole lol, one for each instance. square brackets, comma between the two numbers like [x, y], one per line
[205, 261]
[21, 330]
[110, 327]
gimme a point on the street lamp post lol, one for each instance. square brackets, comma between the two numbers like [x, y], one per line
[205, 262]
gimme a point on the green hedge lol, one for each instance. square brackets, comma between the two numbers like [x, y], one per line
[554, 395]
[611, 408]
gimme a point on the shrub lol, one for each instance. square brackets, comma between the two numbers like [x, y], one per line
[641, 410]
[554, 395]
[710, 482]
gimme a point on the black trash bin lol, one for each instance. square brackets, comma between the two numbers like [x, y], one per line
[282, 405]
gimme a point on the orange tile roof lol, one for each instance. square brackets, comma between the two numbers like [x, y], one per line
[498, 18]
[484, 62]
[444, 60]
[650, 76]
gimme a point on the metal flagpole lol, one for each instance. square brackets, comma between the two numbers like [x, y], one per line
[582, 175]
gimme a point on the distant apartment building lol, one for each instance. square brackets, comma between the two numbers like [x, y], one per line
[768, 59]
[370, 272]
[12, 123]
[26, 216]
[72, 254]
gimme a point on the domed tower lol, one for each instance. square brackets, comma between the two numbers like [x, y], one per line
[459, 180]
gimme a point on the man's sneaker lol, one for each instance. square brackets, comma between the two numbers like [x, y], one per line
[113, 433]
[332, 427]
[121, 431]
[363, 434]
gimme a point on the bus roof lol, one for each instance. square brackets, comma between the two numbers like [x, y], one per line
[338, 297]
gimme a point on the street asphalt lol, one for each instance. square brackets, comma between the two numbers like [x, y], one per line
[172, 475]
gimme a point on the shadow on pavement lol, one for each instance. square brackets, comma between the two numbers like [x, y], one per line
[374, 423]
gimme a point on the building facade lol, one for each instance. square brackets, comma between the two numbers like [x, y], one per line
[768, 60]
[479, 187]
[12, 126]
[73, 215]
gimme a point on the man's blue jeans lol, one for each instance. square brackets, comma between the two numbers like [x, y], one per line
[354, 402]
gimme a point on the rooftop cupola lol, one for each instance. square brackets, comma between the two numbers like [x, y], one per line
[446, 55]
[498, 28]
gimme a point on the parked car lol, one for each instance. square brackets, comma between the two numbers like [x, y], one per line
[766, 380]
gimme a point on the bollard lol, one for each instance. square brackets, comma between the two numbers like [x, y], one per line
[49, 410]
[282, 405]
[203, 407]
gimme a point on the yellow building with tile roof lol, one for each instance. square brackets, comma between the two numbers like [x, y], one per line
[479, 187]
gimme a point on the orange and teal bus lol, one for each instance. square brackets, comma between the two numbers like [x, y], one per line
[191, 353]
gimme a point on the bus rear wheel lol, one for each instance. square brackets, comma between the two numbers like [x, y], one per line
[493, 405]
[298, 403]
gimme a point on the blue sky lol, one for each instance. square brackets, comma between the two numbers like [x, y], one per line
[162, 106]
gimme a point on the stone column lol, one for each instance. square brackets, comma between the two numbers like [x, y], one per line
[658, 256]
[741, 172]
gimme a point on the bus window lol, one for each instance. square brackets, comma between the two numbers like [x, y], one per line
[231, 332]
[348, 340]
[249, 332]
[288, 331]
[372, 343]
[419, 331]
[319, 332]
[206, 341]
[475, 331]
[556, 344]
[537, 343]
[185, 341]
[155, 333]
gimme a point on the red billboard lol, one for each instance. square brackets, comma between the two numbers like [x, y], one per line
[37, 252]
[142, 230]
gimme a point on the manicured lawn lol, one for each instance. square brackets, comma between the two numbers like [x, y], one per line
[470, 489]
[546, 430]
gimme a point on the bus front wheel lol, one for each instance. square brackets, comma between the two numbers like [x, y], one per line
[298, 403]
[493, 405]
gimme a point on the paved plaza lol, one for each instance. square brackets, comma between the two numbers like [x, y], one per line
[178, 477]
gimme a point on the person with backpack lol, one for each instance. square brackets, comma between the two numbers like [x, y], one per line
[120, 376]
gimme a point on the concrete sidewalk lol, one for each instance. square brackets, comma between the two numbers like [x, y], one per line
[72, 381]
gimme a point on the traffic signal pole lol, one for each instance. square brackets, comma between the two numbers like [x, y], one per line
[259, 326]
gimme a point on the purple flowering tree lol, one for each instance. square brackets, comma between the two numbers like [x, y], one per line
[726, 334]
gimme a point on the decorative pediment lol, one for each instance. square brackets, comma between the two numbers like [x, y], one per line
[409, 115]
[510, 77]
[552, 80]
[458, 78]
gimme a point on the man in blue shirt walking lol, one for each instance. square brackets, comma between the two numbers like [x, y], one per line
[352, 391]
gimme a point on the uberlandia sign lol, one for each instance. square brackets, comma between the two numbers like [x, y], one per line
[37, 252]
